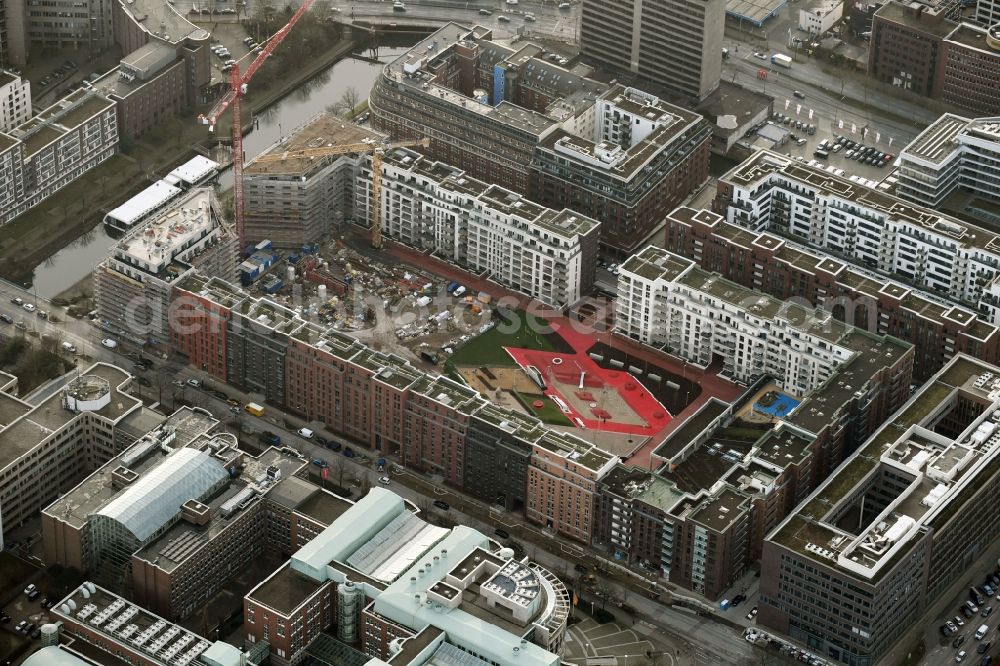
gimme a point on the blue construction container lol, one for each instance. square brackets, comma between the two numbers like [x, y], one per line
[273, 286]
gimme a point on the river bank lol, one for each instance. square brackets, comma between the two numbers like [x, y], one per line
[77, 210]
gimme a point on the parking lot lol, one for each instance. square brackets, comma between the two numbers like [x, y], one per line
[960, 634]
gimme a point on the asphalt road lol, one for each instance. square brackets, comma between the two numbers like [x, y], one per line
[829, 105]
[549, 20]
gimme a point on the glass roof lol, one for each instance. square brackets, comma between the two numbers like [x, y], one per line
[146, 505]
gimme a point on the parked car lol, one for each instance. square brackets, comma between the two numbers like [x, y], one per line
[384, 480]
[17, 301]
[319, 462]
[348, 452]
[29, 307]
[305, 432]
[109, 343]
[333, 446]
[31, 588]
[752, 614]
[441, 504]
[194, 383]
[984, 647]
[960, 656]
[6, 318]
[503, 534]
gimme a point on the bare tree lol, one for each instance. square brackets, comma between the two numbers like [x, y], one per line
[348, 102]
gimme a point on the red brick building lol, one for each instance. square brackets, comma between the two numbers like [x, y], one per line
[918, 48]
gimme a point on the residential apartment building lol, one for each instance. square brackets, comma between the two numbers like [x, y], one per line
[865, 226]
[298, 201]
[45, 449]
[676, 44]
[668, 301]
[383, 403]
[937, 329]
[509, 117]
[550, 255]
[132, 287]
[916, 47]
[894, 527]
[700, 521]
[15, 100]
[952, 154]
[125, 630]
[54, 148]
[361, 574]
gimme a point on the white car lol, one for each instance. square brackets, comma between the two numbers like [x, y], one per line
[306, 432]
[758, 54]
[29, 307]
[511, 2]
[384, 480]
[109, 343]
[194, 383]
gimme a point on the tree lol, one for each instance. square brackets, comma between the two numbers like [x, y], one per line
[349, 100]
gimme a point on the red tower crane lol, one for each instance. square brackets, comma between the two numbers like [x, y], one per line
[238, 88]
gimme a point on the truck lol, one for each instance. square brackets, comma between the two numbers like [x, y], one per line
[254, 408]
[781, 60]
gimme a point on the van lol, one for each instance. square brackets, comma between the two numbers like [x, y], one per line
[981, 631]
[254, 408]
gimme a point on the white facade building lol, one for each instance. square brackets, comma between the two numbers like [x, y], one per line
[549, 255]
[54, 148]
[865, 226]
[819, 18]
[666, 300]
[132, 286]
[15, 100]
[952, 152]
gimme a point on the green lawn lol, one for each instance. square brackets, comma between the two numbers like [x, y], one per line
[522, 330]
[548, 413]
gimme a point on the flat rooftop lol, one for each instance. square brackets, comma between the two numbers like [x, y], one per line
[29, 429]
[654, 263]
[161, 19]
[937, 142]
[680, 438]
[285, 590]
[766, 164]
[323, 131]
[158, 242]
[872, 353]
[97, 490]
[185, 539]
[214, 289]
[122, 623]
[928, 22]
[943, 472]
[721, 510]
[324, 507]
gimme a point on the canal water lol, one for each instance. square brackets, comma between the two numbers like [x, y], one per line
[72, 263]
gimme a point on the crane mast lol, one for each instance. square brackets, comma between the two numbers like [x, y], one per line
[231, 100]
[375, 149]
